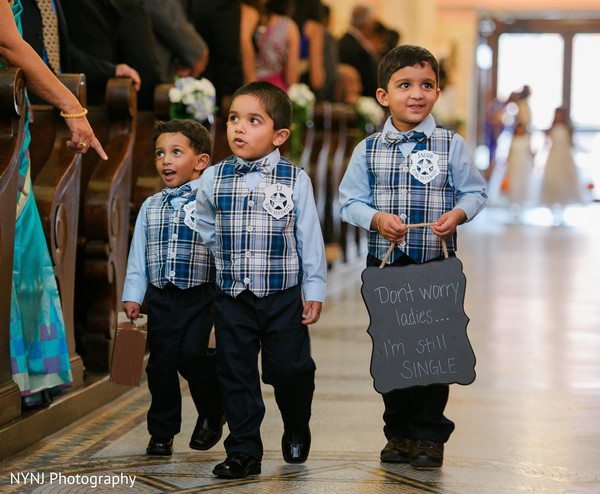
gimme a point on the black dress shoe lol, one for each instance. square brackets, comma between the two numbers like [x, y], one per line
[295, 446]
[207, 433]
[160, 446]
[237, 466]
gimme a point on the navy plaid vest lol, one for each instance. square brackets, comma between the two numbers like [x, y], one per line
[396, 191]
[254, 250]
[174, 251]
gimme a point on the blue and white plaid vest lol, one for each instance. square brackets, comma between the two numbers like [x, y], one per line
[174, 251]
[396, 191]
[254, 250]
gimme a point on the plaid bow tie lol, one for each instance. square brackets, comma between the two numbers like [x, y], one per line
[261, 166]
[393, 138]
[171, 192]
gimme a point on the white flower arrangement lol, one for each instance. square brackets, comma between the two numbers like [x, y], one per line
[194, 98]
[301, 95]
[368, 108]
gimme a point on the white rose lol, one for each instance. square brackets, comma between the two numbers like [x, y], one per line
[175, 95]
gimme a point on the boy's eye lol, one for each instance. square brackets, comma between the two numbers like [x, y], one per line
[404, 85]
[159, 154]
[428, 85]
[177, 152]
[254, 120]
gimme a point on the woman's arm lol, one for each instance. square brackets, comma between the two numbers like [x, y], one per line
[314, 32]
[248, 23]
[15, 52]
[292, 64]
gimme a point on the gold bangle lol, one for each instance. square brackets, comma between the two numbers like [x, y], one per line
[82, 113]
[377, 221]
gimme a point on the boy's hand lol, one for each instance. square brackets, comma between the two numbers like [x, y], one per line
[389, 225]
[445, 227]
[311, 312]
[132, 309]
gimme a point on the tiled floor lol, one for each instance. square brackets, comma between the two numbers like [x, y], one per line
[529, 422]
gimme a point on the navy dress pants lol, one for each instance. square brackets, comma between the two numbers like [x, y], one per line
[272, 325]
[179, 326]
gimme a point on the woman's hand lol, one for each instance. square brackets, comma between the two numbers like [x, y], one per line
[82, 137]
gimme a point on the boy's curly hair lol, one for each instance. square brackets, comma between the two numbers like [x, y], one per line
[199, 137]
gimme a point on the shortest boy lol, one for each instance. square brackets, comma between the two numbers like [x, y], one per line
[173, 269]
[257, 214]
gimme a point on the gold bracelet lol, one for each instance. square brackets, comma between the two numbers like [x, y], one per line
[82, 113]
[377, 221]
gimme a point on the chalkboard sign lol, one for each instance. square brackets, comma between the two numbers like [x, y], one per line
[418, 325]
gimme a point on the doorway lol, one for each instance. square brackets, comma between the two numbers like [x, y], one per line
[556, 60]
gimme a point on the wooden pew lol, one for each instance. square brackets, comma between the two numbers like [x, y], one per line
[353, 239]
[12, 119]
[332, 228]
[144, 178]
[104, 224]
[315, 155]
[56, 176]
[323, 148]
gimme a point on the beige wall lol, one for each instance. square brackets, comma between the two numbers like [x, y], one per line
[450, 27]
[424, 23]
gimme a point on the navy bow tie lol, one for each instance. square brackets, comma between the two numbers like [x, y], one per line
[171, 192]
[261, 166]
[394, 138]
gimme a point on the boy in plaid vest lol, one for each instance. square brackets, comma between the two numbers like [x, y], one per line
[257, 214]
[411, 172]
[169, 265]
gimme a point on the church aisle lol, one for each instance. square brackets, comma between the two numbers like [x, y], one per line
[528, 423]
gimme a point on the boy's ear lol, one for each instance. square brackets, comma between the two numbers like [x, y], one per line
[382, 97]
[202, 161]
[280, 137]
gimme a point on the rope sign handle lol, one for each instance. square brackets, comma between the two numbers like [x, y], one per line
[393, 244]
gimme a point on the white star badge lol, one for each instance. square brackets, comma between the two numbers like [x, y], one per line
[278, 200]
[190, 216]
[424, 166]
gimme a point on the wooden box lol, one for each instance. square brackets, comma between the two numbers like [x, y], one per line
[128, 351]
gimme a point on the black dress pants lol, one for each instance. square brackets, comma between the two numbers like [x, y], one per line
[179, 326]
[272, 325]
[415, 413]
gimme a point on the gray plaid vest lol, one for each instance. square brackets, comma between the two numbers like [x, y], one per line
[254, 250]
[174, 251]
[396, 191]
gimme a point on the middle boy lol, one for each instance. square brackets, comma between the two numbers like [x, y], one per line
[256, 212]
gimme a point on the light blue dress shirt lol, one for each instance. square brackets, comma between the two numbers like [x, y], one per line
[356, 195]
[309, 238]
[136, 279]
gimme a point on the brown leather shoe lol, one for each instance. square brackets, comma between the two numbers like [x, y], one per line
[427, 454]
[397, 450]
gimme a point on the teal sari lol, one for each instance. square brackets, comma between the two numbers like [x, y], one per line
[38, 344]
